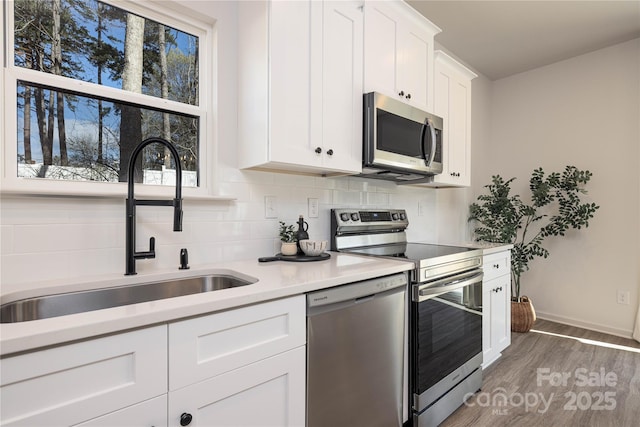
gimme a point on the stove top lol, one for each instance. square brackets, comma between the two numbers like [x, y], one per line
[382, 233]
[413, 251]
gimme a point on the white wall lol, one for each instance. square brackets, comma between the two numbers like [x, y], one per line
[585, 112]
[67, 238]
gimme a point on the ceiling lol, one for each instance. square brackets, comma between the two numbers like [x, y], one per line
[501, 38]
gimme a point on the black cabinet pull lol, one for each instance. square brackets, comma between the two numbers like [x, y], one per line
[401, 93]
[318, 150]
[330, 152]
[408, 96]
[185, 419]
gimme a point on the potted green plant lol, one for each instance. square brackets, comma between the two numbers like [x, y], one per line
[555, 207]
[288, 239]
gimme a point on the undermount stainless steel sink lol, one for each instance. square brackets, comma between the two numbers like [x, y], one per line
[43, 307]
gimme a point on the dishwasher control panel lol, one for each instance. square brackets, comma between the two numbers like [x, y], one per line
[356, 291]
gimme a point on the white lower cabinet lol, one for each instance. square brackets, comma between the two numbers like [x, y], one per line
[270, 392]
[152, 412]
[242, 367]
[70, 384]
[496, 306]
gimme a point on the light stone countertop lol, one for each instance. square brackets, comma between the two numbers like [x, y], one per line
[278, 279]
[488, 248]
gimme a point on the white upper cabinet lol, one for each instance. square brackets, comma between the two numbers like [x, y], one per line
[453, 104]
[340, 129]
[300, 86]
[398, 53]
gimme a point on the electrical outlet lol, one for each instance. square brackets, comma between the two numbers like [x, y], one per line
[623, 297]
[270, 207]
[313, 207]
[422, 207]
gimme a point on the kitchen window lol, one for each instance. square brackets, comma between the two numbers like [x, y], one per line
[85, 81]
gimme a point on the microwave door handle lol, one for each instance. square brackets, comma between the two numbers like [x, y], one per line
[428, 159]
[423, 142]
[433, 141]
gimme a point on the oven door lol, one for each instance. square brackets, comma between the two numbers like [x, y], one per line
[446, 324]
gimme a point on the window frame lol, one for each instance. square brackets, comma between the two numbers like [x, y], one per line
[10, 74]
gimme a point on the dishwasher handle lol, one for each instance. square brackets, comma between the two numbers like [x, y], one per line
[446, 285]
[354, 293]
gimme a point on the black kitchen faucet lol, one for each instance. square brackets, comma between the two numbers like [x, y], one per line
[176, 203]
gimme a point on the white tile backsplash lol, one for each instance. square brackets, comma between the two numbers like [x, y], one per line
[58, 238]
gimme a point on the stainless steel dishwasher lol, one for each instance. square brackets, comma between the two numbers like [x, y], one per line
[355, 353]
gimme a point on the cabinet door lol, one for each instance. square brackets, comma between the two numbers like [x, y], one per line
[207, 346]
[270, 392]
[398, 53]
[488, 352]
[453, 104]
[341, 98]
[381, 46]
[72, 383]
[290, 82]
[501, 323]
[496, 327]
[416, 67]
[146, 414]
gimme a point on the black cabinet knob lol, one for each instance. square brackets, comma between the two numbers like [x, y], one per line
[496, 265]
[318, 150]
[330, 152]
[401, 93]
[185, 419]
[408, 96]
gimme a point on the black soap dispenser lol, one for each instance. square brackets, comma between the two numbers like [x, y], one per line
[301, 234]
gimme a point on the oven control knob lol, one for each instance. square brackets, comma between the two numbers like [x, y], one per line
[354, 216]
[403, 216]
[394, 216]
[344, 216]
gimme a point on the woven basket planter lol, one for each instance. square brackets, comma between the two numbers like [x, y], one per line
[523, 315]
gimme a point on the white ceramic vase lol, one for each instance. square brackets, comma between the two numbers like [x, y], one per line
[289, 248]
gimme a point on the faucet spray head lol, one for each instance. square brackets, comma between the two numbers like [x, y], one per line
[177, 214]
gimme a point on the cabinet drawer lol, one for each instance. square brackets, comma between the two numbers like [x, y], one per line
[152, 412]
[207, 346]
[77, 382]
[496, 265]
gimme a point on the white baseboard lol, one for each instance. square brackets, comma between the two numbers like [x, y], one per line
[624, 333]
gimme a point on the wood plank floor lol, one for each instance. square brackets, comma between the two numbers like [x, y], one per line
[558, 375]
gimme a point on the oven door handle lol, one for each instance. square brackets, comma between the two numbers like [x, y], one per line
[447, 285]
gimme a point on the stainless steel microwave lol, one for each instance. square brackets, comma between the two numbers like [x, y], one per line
[401, 143]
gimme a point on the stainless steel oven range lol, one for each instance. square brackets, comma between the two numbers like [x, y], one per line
[445, 316]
